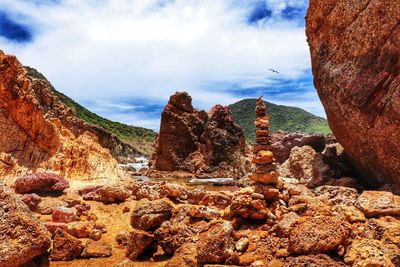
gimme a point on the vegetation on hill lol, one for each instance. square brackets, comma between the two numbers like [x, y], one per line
[285, 118]
[139, 138]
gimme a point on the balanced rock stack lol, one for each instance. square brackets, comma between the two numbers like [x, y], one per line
[265, 168]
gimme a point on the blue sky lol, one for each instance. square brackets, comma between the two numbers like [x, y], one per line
[124, 58]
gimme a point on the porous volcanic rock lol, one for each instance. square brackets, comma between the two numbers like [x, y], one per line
[33, 136]
[356, 65]
[316, 235]
[195, 142]
[41, 182]
[376, 203]
[22, 235]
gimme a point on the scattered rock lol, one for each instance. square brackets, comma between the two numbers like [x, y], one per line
[242, 244]
[95, 234]
[312, 261]
[47, 205]
[65, 247]
[174, 191]
[41, 182]
[149, 215]
[286, 222]
[64, 215]
[22, 235]
[105, 194]
[216, 244]
[53, 226]
[123, 238]
[98, 249]
[138, 243]
[337, 195]
[378, 203]
[80, 229]
[32, 200]
[368, 252]
[317, 235]
[186, 255]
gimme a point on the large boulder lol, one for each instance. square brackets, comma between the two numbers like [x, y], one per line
[195, 142]
[41, 182]
[22, 235]
[356, 65]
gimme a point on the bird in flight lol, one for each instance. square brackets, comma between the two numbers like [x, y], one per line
[275, 71]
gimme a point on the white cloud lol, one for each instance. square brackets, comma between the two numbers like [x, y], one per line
[138, 49]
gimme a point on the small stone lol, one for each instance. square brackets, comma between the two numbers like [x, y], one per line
[32, 200]
[263, 157]
[263, 168]
[122, 238]
[126, 209]
[242, 244]
[147, 215]
[266, 178]
[257, 196]
[65, 246]
[95, 234]
[52, 226]
[97, 250]
[100, 226]
[64, 215]
[378, 203]
[80, 229]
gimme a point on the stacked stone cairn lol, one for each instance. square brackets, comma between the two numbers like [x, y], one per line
[263, 159]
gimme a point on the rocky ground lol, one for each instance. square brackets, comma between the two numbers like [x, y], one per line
[164, 224]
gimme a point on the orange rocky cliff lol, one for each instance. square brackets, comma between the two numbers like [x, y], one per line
[356, 65]
[34, 139]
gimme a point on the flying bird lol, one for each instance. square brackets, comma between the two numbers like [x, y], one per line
[274, 70]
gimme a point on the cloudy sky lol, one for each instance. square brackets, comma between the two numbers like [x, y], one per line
[123, 58]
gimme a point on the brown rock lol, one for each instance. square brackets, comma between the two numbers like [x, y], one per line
[98, 249]
[65, 247]
[368, 252]
[210, 198]
[179, 230]
[47, 205]
[286, 222]
[246, 207]
[52, 226]
[337, 195]
[312, 261]
[32, 200]
[216, 245]
[186, 256]
[269, 192]
[149, 215]
[80, 229]
[355, 60]
[174, 191]
[41, 182]
[22, 235]
[198, 142]
[105, 194]
[64, 215]
[376, 203]
[317, 235]
[265, 178]
[138, 243]
[150, 191]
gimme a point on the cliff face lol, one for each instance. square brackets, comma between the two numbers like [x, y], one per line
[355, 52]
[38, 131]
[196, 142]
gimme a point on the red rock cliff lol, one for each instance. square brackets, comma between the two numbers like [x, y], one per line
[196, 142]
[33, 136]
[355, 52]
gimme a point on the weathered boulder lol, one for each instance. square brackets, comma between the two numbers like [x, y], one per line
[195, 142]
[138, 243]
[377, 203]
[105, 193]
[41, 182]
[65, 246]
[283, 142]
[149, 215]
[22, 235]
[317, 235]
[356, 65]
[216, 244]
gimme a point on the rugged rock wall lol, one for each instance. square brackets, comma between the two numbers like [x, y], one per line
[195, 142]
[32, 137]
[355, 52]
[53, 107]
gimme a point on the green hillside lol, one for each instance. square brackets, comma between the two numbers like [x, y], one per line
[285, 118]
[139, 138]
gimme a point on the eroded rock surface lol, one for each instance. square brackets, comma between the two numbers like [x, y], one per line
[22, 235]
[195, 142]
[356, 65]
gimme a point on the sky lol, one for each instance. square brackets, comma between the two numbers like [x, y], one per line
[123, 58]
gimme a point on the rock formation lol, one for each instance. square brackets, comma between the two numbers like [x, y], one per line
[356, 65]
[22, 235]
[265, 168]
[34, 137]
[198, 143]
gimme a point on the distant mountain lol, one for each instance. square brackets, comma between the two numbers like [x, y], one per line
[140, 139]
[285, 118]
